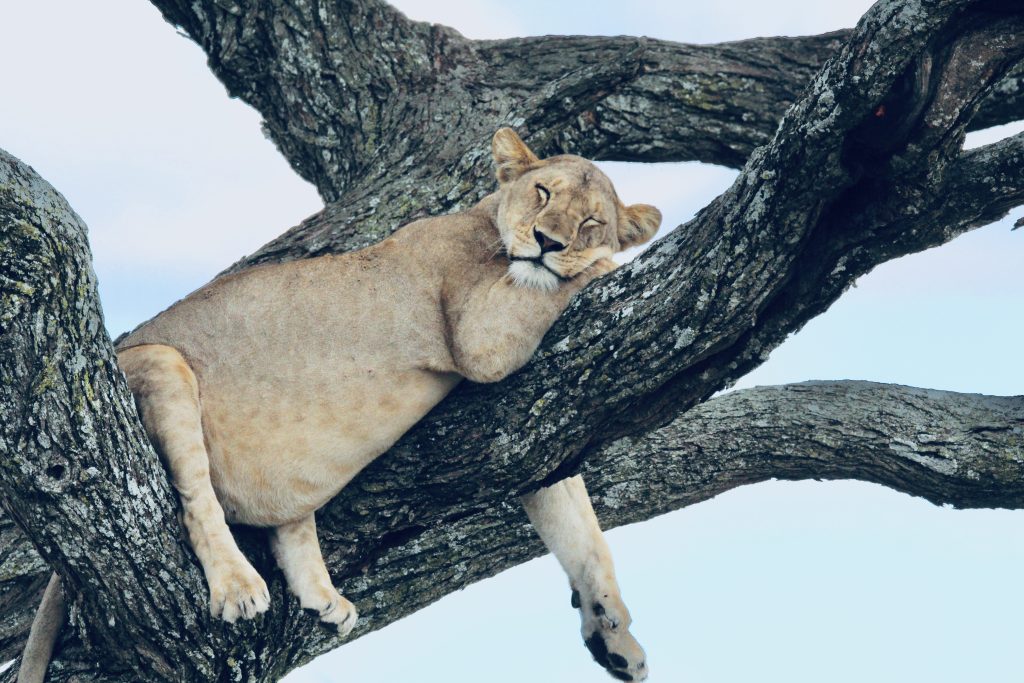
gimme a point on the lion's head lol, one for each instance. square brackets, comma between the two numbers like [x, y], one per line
[557, 216]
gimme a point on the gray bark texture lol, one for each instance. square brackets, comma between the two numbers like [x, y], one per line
[850, 146]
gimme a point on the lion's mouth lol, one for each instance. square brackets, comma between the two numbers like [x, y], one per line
[534, 273]
[538, 261]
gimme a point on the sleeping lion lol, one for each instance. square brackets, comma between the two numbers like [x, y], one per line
[268, 390]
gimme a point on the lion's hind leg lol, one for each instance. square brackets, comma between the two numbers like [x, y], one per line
[297, 551]
[167, 394]
[565, 520]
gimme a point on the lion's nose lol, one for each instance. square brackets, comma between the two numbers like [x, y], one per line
[546, 243]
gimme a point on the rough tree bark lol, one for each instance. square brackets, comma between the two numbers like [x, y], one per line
[390, 118]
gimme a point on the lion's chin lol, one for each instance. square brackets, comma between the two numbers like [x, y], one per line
[533, 275]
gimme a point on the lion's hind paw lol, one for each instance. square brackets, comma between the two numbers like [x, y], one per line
[238, 592]
[341, 613]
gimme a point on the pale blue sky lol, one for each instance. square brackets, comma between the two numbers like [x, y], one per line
[793, 582]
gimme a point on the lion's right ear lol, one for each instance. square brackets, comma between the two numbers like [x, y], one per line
[511, 155]
[637, 224]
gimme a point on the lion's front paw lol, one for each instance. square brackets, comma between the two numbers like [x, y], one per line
[606, 634]
[237, 590]
[603, 266]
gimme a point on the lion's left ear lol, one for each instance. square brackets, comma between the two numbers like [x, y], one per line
[637, 224]
[511, 155]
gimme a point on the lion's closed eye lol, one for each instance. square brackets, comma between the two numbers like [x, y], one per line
[543, 193]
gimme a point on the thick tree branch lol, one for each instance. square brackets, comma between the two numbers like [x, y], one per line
[959, 449]
[334, 80]
[674, 102]
[77, 473]
[398, 130]
[954, 449]
[652, 100]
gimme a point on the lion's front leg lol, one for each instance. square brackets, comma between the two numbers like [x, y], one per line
[565, 520]
[497, 328]
[297, 551]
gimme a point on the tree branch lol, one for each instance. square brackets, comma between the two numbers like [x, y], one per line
[338, 102]
[677, 102]
[710, 103]
[77, 473]
[424, 101]
[633, 99]
[954, 449]
[959, 449]
[333, 80]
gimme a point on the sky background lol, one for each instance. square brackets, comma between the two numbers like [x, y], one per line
[793, 582]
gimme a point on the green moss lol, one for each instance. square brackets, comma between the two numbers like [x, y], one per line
[86, 394]
[711, 95]
[26, 230]
[90, 393]
[47, 378]
[24, 288]
[538, 406]
[22, 561]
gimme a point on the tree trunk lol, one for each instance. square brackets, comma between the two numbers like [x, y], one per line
[391, 118]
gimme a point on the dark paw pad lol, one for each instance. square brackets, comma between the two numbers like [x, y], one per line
[598, 649]
[618, 661]
[614, 663]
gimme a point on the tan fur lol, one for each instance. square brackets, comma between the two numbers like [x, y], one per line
[35, 658]
[269, 389]
[297, 552]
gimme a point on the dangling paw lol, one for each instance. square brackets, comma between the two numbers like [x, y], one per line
[237, 591]
[619, 653]
[606, 634]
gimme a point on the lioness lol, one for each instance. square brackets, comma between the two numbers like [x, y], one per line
[268, 390]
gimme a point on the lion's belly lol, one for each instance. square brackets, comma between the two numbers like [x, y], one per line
[281, 448]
